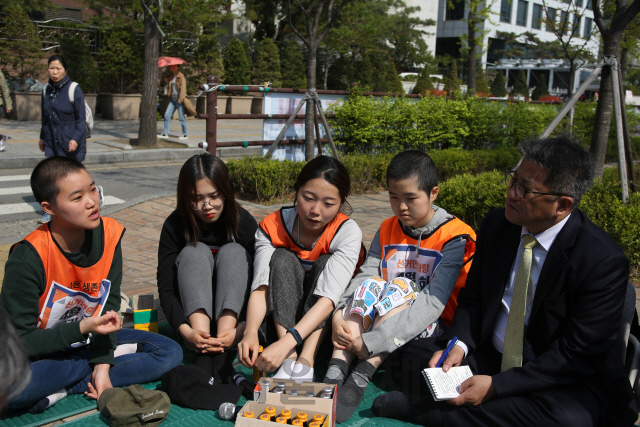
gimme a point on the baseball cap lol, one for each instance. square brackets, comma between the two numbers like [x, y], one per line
[134, 406]
[192, 387]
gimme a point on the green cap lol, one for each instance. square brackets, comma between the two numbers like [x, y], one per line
[134, 406]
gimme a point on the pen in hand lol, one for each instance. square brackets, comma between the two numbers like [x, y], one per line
[446, 352]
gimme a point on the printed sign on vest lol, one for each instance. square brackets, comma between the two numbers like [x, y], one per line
[401, 261]
[65, 305]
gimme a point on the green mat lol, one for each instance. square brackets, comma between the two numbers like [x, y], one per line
[178, 416]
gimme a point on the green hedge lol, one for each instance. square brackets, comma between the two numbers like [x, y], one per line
[263, 180]
[366, 124]
[471, 198]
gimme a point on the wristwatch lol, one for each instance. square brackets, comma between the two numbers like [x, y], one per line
[296, 335]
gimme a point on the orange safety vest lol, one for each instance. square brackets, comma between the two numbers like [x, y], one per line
[398, 257]
[274, 228]
[72, 292]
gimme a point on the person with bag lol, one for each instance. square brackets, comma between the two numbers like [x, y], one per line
[5, 105]
[177, 95]
[64, 118]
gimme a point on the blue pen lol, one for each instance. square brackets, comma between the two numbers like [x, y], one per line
[446, 352]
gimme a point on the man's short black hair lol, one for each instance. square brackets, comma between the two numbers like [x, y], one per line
[47, 174]
[414, 163]
[570, 166]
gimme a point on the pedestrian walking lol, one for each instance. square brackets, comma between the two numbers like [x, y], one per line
[5, 106]
[64, 121]
[177, 94]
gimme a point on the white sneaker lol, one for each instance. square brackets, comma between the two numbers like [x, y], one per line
[44, 219]
[184, 137]
[3, 139]
[101, 193]
[164, 135]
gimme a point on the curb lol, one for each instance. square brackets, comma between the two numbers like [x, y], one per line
[30, 161]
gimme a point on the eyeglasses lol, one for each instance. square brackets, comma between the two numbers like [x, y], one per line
[199, 205]
[521, 190]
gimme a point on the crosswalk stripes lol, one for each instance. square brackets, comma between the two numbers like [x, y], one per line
[6, 207]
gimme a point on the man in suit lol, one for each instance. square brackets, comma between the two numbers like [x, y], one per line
[540, 313]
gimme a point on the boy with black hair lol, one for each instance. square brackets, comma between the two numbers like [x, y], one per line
[397, 294]
[61, 290]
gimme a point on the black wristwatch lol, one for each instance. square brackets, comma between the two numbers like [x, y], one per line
[296, 335]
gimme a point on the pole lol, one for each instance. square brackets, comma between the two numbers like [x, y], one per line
[326, 128]
[571, 102]
[286, 126]
[627, 138]
[317, 128]
[211, 116]
[622, 165]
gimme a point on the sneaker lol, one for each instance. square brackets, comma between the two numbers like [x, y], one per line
[44, 219]
[164, 135]
[185, 136]
[101, 193]
[3, 139]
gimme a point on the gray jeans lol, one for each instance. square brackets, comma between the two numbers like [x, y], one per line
[290, 293]
[214, 285]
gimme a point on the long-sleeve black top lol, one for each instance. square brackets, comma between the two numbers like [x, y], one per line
[172, 241]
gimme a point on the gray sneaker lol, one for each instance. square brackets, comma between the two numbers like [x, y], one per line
[3, 139]
[101, 193]
[44, 218]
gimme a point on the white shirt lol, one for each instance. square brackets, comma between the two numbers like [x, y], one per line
[332, 282]
[540, 250]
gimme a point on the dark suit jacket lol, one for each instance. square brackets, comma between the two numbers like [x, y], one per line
[575, 317]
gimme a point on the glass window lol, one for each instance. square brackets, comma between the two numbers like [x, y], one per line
[576, 26]
[551, 15]
[522, 13]
[579, 3]
[589, 5]
[564, 22]
[536, 18]
[505, 11]
[588, 23]
[455, 13]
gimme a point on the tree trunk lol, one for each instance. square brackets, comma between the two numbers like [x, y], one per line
[147, 136]
[471, 61]
[309, 126]
[602, 120]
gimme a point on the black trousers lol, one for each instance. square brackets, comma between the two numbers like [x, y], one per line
[563, 406]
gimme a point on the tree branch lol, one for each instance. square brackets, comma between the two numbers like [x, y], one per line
[597, 17]
[293, 28]
[627, 16]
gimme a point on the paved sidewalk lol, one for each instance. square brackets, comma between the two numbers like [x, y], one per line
[110, 139]
[144, 223]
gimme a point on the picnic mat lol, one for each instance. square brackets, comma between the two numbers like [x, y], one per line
[179, 416]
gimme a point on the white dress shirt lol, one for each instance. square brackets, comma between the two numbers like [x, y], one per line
[540, 250]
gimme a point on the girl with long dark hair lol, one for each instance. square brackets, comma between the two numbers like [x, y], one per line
[205, 258]
[305, 258]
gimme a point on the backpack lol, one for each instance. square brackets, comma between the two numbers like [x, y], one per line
[87, 110]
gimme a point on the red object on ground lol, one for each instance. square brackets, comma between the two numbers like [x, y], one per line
[165, 61]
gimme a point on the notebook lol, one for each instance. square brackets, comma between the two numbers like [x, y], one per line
[444, 385]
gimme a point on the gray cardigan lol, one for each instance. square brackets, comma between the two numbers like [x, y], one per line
[430, 302]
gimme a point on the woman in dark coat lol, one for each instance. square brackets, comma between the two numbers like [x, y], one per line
[63, 130]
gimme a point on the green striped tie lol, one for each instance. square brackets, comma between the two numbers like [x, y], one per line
[513, 337]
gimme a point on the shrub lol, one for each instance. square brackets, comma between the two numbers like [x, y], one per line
[267, 65]
[207, 62]
[120, 62]
[424, 82]
[80, 63]
[541, 89]
[237, 66]
[451, 80]
[293, 67]
[21, 47]
[481, 82]
[520, 86]
[261, 179]
[498, 85]
[471, 198]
